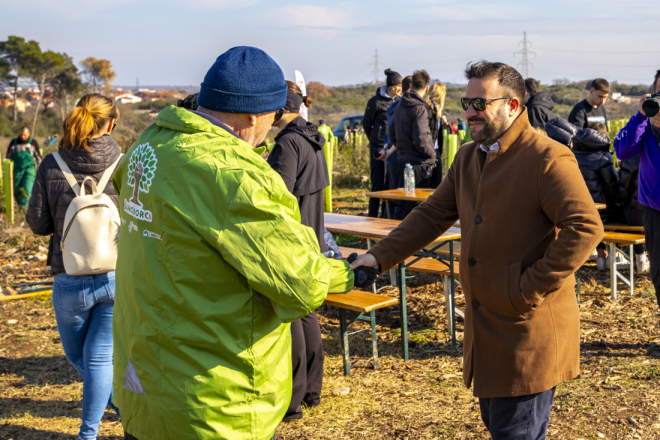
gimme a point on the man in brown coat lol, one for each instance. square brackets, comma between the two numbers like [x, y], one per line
[528, 223]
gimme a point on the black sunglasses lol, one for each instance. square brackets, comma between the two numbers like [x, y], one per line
[479, 104]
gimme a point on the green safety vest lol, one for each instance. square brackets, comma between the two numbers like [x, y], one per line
[212, 265]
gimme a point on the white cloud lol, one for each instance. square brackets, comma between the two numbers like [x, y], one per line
[318, 21]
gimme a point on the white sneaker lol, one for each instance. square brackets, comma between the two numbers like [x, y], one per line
[642, 263]
[620, 264]
[593, 255]
[600, 263]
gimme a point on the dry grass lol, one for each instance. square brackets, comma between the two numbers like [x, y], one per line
[615, 396]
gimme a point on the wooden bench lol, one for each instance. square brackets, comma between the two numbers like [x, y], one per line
[356, 304]
[622, 239]
[623, 227]
[423, 265]
[429, 266]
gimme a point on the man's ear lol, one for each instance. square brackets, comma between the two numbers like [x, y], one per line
[514, 106]
[252, 120]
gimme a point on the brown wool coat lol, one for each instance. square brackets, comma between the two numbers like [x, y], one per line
[527, 223]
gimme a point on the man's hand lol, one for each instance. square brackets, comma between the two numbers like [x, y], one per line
[383, 154]
[366, 260]
[365, 275]
[641, 101]
[656, 120]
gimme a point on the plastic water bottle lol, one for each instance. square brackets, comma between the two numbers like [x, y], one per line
[409, 177]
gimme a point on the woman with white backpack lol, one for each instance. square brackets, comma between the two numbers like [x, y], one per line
[74, 201]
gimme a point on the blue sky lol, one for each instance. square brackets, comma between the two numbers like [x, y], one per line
[174, 42]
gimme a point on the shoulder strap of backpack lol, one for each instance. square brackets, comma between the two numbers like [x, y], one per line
[107, 174]
[67, 173]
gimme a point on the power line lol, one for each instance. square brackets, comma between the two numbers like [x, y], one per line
[525, 52]
[376, 69]
[601, 52]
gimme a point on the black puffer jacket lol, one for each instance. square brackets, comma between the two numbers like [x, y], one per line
[596, 164]
[629, 186]
[560, 130]
[434, 126]
[52, 194]
[298, 157]
[375, 118]
[539, 109]
[410, 131]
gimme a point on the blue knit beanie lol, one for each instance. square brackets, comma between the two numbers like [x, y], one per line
[243, 80]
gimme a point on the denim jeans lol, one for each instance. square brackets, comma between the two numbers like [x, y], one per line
[83, 309]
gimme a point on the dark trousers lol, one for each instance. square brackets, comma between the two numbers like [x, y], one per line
[307, 358]
[634, 218]
[423, 175]
[652, 233]
[377, 180]
[436, 176]
[519, 418]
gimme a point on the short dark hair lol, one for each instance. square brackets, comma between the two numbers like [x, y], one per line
[420, 79]
[601, 85]
[321, 121]
[407, 82]
[460, 119]
[532, 86]
[507, 77]
[655, 80]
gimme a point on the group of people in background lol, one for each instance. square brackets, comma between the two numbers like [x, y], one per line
[207, 328]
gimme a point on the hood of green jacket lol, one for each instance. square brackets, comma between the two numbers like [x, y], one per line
[212, 265]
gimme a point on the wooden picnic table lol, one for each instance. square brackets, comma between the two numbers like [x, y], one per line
[374, 228]
[419, 195]
[378, 228]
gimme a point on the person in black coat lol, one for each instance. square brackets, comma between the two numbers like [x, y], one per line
[560, 130]
[592, 152]
[298, 157]
[83, 304]
[632, 209]
[375, 127]
[411, 134]
[539, 104]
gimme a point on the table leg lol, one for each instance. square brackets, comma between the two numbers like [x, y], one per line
[451, 294]
[631, 258]
[577, 279]
[403, 309]
[343, 329]
[374, 338]
[613, 278]
[387, 208]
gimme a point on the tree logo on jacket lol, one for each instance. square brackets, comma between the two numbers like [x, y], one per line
[141, 171]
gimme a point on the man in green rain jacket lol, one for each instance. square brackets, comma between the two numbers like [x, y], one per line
[213, 264]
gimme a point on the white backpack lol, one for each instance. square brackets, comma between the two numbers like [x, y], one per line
[91, 225]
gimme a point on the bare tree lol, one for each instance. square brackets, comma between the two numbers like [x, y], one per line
[96, 72]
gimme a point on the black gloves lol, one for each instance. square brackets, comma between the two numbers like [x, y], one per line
[364, 276]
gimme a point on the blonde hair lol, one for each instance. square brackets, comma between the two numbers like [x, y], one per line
[92, 112]
[436, 97]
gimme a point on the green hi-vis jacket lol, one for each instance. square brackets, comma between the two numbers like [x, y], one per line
[212, 265]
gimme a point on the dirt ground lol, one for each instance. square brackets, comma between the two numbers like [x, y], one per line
[615, 396]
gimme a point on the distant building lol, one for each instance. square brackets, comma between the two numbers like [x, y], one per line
[618, 97]
[21, 104]
[125, 98]
[158, 95]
